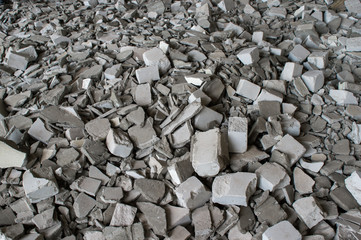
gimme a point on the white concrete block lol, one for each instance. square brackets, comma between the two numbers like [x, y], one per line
[319, 59]
[237, 134]
[314, 80]
[156, 57]
[353, 185]
[291, 147]
[298, 54]
[192, 193]
[343, 97]
[11, 157]
[248, 89]
[118, 143]
[249, 56]
[208, 152]
[308, 210]
[291, 70]
[234, 188]
[282, 231]
[147, 74]
[272, 176]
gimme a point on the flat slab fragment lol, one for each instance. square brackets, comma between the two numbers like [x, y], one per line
[291, 147]
[83, 204]
[237, 134]
[353, 185]
[234, 188]
[282, 231]
[272, 176]
[123, 215]
[152, 190]
[309, 211]
[10, 156]
[155, 216]
[39, 132]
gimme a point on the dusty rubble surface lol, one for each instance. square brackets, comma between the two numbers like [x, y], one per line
[229, 119]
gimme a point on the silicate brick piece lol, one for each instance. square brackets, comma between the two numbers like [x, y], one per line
[309, 211]
[282, 231]
[353, 44]
[123, 215]
[147, 74]
[298, 54]
[39, 132]
[192, 193]
[319, 59]
[156, 57]
[272, 176]
[118, 143]
[353, 185]
[208, 152]
[291, 70]
[314, 80]
[237, 134]
[248, 89]
[39, 184]
[234, 188]
[11, 157]
[291, 147]
[343, 97]
[249, 56]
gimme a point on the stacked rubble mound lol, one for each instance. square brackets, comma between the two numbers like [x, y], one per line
[213, 119]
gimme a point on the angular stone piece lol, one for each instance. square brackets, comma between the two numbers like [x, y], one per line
[143, 136]
[143, 95]
[291, 70]
[343, 198]
[353, 185]
[192, 193]
[234, 188]
[303, 183]
[39, 184]
[272, 176]
[319, 59]
[343, 97]
[353, 44]
[10, 156]
[87, 185]
[123, 215]
[39, 132]
[237, 134]
[248, 89]
[282, 231]
[156, 57]
[155, 217]
[314, 80]
[202, 222]
[207, 119]
[180, 170]
[98, 128]
[309, 211]
[118, 143]
[291, 147]
[249, 56]
[151, 190]
[189, 111]
[83, 204]
[298, 54]
[147, 74]
[177, 216]
[270, 211]
[209, 152]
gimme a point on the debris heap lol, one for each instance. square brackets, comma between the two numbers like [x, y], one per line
[212, 119]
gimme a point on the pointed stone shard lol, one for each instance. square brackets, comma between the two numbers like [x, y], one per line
[10, 156]
[234, 188]
[353, 185]
[39, 132]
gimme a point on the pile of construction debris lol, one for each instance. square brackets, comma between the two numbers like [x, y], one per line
[213, 119]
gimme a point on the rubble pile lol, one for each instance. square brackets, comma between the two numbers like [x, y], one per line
[212, 119]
